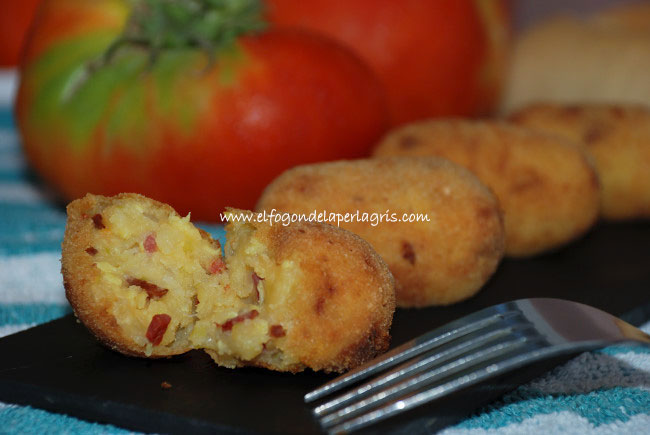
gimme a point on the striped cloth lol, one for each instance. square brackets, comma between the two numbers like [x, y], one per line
[600, 392]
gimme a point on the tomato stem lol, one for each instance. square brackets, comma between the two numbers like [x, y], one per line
[210, 25]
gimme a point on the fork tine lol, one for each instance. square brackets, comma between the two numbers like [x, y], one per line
[425, 379]
[413, 348]
[466, 352]
[429, 361]
[408, 395]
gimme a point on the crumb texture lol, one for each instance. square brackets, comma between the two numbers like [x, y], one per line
[147, 282]
[436, 262]
[547, 186]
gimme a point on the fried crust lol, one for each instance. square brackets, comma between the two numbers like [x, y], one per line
[343, 307]
[438, 262]
[547, 186]
[617, 135]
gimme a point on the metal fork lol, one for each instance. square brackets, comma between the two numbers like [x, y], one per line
[466, 352]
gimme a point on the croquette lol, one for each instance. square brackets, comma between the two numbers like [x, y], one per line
[442, 259]
[547, 186]
[148, 283]
[618, 136]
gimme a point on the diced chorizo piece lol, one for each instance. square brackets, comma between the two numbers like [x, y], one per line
[277, 331]
[150, 244]
[157, 328]
[153, 291]
[98, 221]
[231, 322]
[256, 290]
[216, 266]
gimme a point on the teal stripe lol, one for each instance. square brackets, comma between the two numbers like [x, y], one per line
[615, 350]
[12, 161]
[12, 176]
[30, 228]
[6, 118]
[30, 421]
[18, 314]
[13, 166]
[598, 407]
[13, 151]
[17, 247]
[32, 209]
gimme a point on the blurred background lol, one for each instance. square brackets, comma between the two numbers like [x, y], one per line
[528, 12]
[482, 58]
[201, 131]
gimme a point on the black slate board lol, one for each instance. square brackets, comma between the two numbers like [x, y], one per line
[60, 367]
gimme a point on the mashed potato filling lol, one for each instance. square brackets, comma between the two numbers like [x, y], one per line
[243, 309]
[171, 286]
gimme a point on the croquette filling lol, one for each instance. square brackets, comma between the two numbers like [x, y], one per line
[172, 287]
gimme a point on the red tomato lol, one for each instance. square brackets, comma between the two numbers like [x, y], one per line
[15, 18]
[175, 127]
[434, 57]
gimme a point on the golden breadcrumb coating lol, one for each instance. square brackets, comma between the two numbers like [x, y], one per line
[547, 186]
[618, 136]
[436, 262]
[147, 282]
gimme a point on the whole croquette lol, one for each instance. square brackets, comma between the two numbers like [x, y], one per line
[147, 282]
[442, 259]
[547, 186]
[618, 136]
